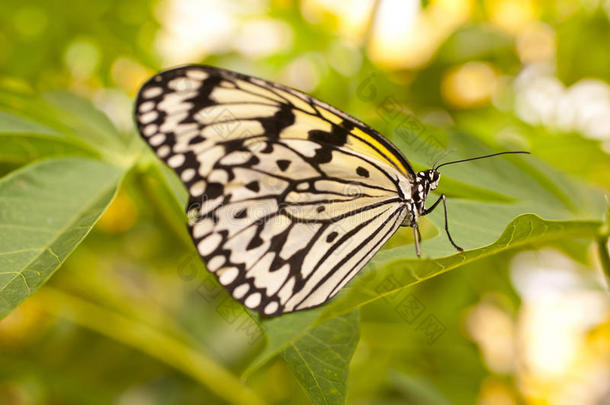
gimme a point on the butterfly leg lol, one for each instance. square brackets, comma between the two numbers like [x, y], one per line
[429, 210]
[418, 233]
[416, 238]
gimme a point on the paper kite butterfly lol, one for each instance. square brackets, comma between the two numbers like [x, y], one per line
[289, 197]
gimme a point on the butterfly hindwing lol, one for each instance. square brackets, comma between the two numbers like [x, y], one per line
[289, 197]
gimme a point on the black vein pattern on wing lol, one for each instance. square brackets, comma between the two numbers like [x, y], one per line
[273, 126]
[347, 152]
[283, 118]
[349, 120]
[296, 260]
[397, 213]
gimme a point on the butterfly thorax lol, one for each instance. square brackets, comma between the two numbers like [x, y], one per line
[424, 182]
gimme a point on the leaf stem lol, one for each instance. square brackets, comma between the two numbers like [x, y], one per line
[166, 203]
[152, 342]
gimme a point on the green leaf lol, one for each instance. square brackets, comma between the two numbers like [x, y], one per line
[320, 359]
[10, 123]
[80, 115]
[569, 152]
[62, 111]
[72, 118]
[82, 109]
[47, 208]
[24, 148]
[281, 331]
[24, 140]
[503, 201]
[502, 194]
[390, 272]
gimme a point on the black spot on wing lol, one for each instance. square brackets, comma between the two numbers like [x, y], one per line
[253, 186]
[277, 262]
[252, 161]
[201, 99]
[276, 123]
[241, 214]
[267, 149]
[196, 139]
[320, 136]
[362, 172]
[331, 237]
[214, 190]
[337, 135]
[323, 155]
[283, 164]
[255, 242]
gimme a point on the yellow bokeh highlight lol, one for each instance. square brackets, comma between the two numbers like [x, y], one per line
[352, 17]
[470, 85]
[129, 75]
[120, 216]
[496, 392]
[406, 36]
[572, 383]
[536, 43]
[493, 328]
[22, 324]
[511, 15]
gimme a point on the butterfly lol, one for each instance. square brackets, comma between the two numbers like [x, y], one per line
[289, 197]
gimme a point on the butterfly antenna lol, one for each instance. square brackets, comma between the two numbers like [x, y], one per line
[442, 157]
[481, 157]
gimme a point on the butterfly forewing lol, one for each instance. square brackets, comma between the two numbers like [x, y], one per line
[289, 197]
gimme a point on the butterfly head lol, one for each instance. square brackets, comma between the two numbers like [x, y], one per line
[432, 177]
[425, 181]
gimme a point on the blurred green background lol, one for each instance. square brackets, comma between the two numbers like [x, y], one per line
[527, 326]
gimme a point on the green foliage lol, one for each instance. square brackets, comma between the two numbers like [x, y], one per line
[320, 358]
[47, 210]
[24, 140]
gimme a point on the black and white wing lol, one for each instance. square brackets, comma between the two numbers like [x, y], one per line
[289, 197]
